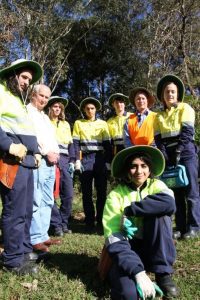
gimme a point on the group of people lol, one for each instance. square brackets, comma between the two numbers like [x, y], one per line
[37, 143]
[32, 146]
[137, 214]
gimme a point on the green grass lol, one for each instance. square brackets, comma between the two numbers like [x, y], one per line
[71, 271]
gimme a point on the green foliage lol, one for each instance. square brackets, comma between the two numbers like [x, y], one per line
[194, 102]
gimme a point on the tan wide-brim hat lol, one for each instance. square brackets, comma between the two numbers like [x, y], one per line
[171, 78]
[90, 100]
[57, 99]
[26, 64]
[150, 97]
[118, 96]
[158, 160]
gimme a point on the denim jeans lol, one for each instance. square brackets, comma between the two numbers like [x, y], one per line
[44, 178]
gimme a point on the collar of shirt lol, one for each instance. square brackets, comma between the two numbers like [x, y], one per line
[142, 117]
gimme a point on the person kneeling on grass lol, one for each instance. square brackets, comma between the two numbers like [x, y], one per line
[137, 226]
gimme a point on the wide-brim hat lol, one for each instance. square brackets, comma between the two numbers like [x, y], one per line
[26, 64]
[171, 78]
[150, 97]
[118, 96]
[158, 161]
[92, 100]
[55, 99]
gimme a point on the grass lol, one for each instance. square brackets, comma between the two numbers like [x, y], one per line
[70, 273]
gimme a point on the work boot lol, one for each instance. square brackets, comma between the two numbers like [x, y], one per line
[176, 235]
[23, 269]
[31, 256]
[65, 229]
[166, 284]
[58, 232]
[191, 234]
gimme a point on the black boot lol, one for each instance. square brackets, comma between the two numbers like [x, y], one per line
[165, 282]
[23, 269]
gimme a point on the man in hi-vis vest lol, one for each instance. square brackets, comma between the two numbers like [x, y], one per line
[138, 129]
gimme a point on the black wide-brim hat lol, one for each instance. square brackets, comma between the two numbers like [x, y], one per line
[26, 64]
[118, 96]
[171, 78]
[55, 99]
[150, 97]
[90, 100]
[158, 161]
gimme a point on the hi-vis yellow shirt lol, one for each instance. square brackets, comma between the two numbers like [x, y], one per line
[116, 128]
[63, 132]
[169, 123]
[121, 197]
[63, 135]
[90, 135]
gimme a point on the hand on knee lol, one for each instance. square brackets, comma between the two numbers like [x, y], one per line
[145, 286]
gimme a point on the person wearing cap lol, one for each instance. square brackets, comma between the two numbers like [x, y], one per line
[60, 216]
[137, 226]
[93, 157]
[118, 101]
[19, 156]
[138, 129]
[44, 176]
[174, 136]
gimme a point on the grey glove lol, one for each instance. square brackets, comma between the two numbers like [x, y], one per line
[71, 169]
[178, 156]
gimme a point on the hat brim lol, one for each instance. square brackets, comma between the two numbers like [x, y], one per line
[171, 78]
[117, 96]
[27, 64]
[55, 99]
[92, 100]
[158, 161]
[150, 97]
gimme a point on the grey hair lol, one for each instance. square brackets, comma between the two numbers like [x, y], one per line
[36, 88]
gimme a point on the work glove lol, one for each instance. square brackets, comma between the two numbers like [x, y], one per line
[145, 287]
[128, 227]
[71, 169]
[178, 157]
[18, 150]
[78, 166]
[159, 292]
[108, 167]
[38, 159]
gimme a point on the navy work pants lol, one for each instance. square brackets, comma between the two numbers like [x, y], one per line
[157, 252]
[187, 199]
[94, 172]
[60, 216]
[16, 217]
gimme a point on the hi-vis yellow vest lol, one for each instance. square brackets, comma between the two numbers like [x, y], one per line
[143, 135]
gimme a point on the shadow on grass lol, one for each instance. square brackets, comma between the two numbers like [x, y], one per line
[78, 226]
[80, 266]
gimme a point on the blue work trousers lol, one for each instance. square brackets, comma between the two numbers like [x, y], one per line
[60, 216]
[16, 217]
[187, 199]
[44, 178]
[157, 252]
[94, 172]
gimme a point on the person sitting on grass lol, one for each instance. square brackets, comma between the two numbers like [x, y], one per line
[137, 226]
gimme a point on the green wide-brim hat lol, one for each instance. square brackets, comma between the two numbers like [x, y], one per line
[26, 64]
[158, 161]
[55, 99]
[171, 78]
[118, 96]
[91, 100]
[150, 97]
